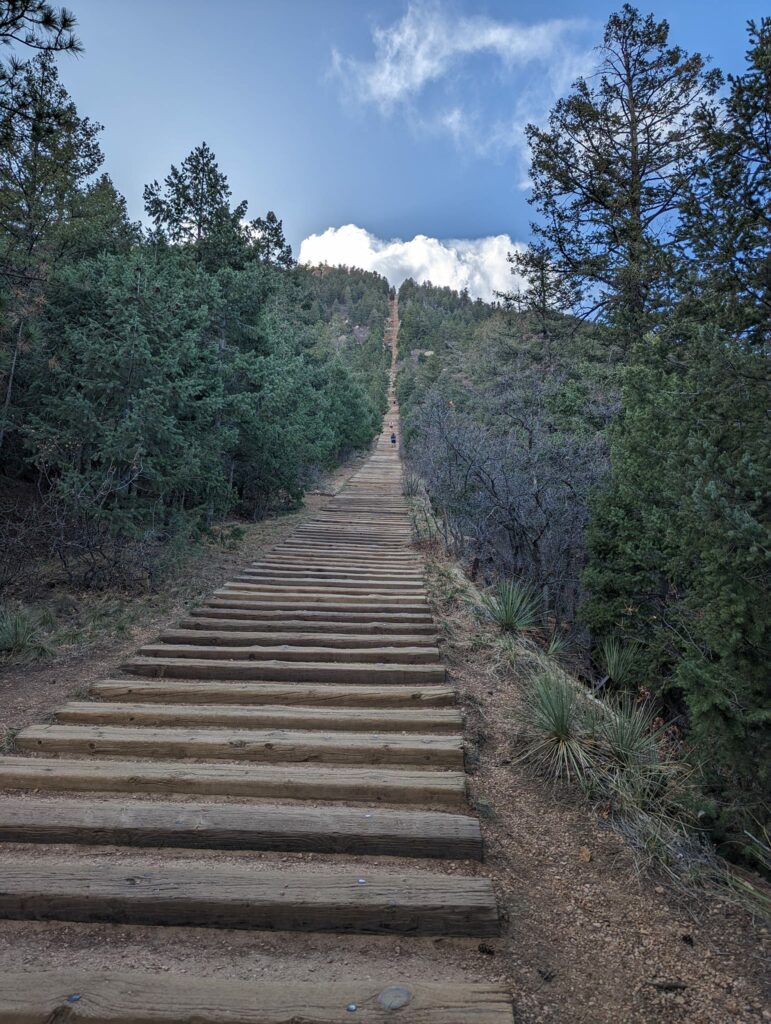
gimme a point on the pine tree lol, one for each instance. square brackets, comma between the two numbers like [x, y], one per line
[192, 208]
[727, 208]
[48, 155]
[269, 243]
[39, 26]
[679, 538]
[607, 172]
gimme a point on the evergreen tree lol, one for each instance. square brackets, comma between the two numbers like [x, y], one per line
[679, 539]
[193, 209]
[269, 243]
[607, 172]
[726, 256]
[48, 155]
[39, 26]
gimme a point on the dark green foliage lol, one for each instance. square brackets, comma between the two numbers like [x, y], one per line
[152, 385]
[678, 544]
[269, 242]
[679, 538]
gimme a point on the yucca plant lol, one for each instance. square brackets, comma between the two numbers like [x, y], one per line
[558, 646]
[411, 485]
[513, 605]
[556, 723]
[619, 659]
[630, 741]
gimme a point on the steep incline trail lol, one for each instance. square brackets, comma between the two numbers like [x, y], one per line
[302, 710]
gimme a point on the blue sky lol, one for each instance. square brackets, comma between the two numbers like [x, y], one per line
[403, 119]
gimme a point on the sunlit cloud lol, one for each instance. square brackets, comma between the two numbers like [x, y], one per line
[478, 264]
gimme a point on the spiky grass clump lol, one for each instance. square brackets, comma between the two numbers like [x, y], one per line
[513, 606]
[21, 632]
[559, 741]
[411, 485]
[619, 659]
[558, 646]
[630, 735]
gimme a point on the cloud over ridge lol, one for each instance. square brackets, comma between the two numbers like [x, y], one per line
[478, 264]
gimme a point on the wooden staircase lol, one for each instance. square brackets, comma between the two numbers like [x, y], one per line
[303, 708]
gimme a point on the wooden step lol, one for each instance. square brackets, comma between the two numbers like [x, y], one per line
[196, 634]
[268, 716]
[302, 566]
[320, 556]
[285, 653]
[300, 611]
[228, 896]
[202, 691]
[137, 997]
[286, 782]
[370, 597]
[266, 745]
[369, 603]
[302, 583]
[297, 629]
[240, 827]
[283, 671]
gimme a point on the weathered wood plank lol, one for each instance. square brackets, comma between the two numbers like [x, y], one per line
[137, 997]
[195, 633]
[240, 827]
[204, 691]
[287, 652]
[267, 745]
[285, 781]
[299, 611]
[270, 716]
[284, 671]
[228, 896]
[291, 627]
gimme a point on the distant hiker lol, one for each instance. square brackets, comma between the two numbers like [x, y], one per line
[393, 439]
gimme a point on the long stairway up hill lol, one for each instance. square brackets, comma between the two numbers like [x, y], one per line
[303, 708]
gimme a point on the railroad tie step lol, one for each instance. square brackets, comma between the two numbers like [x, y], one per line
[266, 716]
[401, 656]
[327, 830]
[196, 631]
[284, 671]
[263, 745]
[385, 994]
[204, 691]
[167, 777]
[353, 899]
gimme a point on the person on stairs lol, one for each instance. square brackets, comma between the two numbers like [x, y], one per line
[393, 438]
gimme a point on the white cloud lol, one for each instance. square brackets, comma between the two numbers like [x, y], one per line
[429, 46]
[425, 45]
[478, 264]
